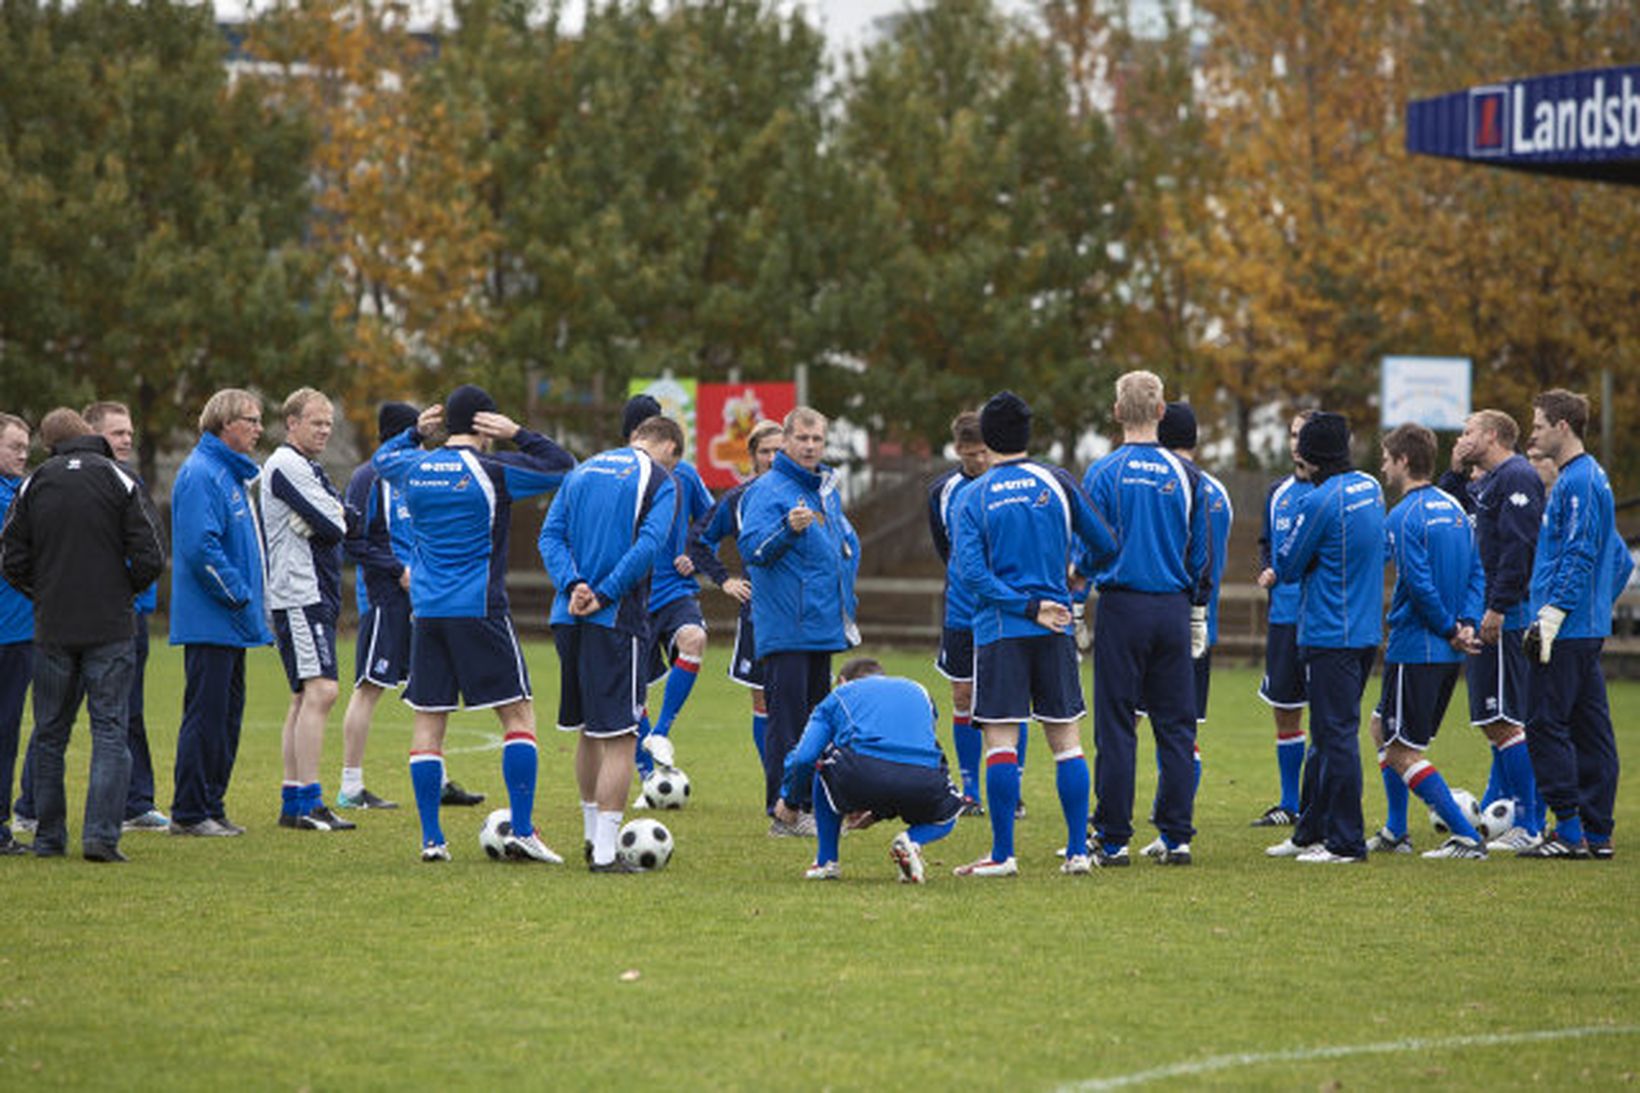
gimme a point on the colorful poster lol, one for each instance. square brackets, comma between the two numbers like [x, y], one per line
[726, 412]
[677, 399]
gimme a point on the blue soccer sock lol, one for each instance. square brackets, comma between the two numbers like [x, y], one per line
[968, 742]
[308, 798]
[1569, 828]
[828, 825]
[1002, 790]
[1395, 797]
[427, 780]
[679, 682]
[1520, 781]
[1195, 787]
[645, 763]
[1024, 738]
[923, 834]
[760, 734]
[1072, 782]
[1423, 779]
[1495, 786]
[290, 799]
[518, 769]
[1290, 761]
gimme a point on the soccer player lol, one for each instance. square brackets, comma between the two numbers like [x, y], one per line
[16, 631]
[599, 543]
[722, 522]
[803, 555]
[1283, 686]
[871, 751]
[462, 645]
[1508, 508]
[1016, 527]
[1151, 623]
[304, 522]
[1335, 551]
[1438, 581]
[1580, 567]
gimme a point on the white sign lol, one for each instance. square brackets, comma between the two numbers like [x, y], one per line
[1429, 391]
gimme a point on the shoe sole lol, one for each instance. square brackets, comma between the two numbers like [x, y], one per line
[909, 873]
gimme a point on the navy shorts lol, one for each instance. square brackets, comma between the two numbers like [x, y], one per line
[306, 637]
[1283, 685]
[1204, 673]
[1414, 701]
[1497, 677]
[664, 625]
[465, 662]
[600, 692]
[744, 667]
[382, 655]
[956, 659]
[1016, 679]
[864, 783]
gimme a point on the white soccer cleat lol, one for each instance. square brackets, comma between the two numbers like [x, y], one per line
[1286, 848]
[826, 871]
[1320, 855]
[1077, 865]
[985, 867]
[661, 750]
[530, 848]
[1458, 847]
[1155, 848]
[435, 852]
[908, 856]
[1514, 840]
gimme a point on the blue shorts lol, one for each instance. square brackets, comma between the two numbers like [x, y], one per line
[1204, 673]
[664, 625]
[864, 783]
[465, 662]
[600, 692]
[382, 655]
[306, 637]
[744, 667]
[1283, 685]
[956, 659]
[1497, 677]
[1414, 701]
[1016, 679]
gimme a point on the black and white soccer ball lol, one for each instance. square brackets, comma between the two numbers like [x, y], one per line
[492, 836]
[644, 844]
[666, 787]
[1466, 801]
[1497, 818]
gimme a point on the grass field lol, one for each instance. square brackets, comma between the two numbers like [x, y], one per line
[289, 960]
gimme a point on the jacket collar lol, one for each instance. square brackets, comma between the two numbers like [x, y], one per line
[215, 449]
[93, 443]
[792, 469]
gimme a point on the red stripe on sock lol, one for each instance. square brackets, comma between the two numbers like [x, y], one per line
[512, 736]
[690, 666]
[1289, 737]
[1418, 779]
[997, 757]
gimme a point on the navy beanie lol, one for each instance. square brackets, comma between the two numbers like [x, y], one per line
[1324, 441]
[1005, 423]
[463, 403]
[1177, 429]
[638, 409]
[394, 418]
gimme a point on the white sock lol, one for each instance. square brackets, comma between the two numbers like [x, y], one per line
[589, 820]
[603, 840]
[352, 781]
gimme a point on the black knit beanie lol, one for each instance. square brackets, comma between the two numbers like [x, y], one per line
[394, 418]
[463, 403]
[638, 409]
[1177, 429]
[1005, 423]
[1324, 442]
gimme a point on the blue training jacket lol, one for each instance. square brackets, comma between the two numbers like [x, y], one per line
[692, 500]
[1580, 565]
[1221, 516]
[1156, 504]
[1336, 551]
[943, 496]
[722, 521]
[380, 542]
[884, 717]
[217, 577]
[606, 528]
[1016, 529]
[1438, 576]
[1281, 503]
[16, 609]
[460, 501]
[802, 582]
[1508, 507]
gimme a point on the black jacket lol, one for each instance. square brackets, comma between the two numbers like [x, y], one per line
[80, 540]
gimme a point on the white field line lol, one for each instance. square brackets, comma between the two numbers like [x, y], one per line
[1339, 1051]
[493, 741]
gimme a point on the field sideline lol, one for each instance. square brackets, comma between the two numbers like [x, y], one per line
[289, 960]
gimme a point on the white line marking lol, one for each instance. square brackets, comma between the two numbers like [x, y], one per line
[1306, 1054]
[493, 741]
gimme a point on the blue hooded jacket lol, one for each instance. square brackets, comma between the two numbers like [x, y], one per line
[1336, 551]
[1438, 576]
[1579, 566]
[216, 550]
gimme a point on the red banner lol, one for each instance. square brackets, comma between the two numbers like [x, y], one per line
[724, 415]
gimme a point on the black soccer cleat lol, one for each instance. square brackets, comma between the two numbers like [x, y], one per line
[454, 795]
[1556, 847]
[1110, 859]
[1600, 851]
[320, 818]
[619, 865]
[1276, 816]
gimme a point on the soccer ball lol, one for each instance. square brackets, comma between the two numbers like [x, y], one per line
[666, 788]
[645, 844]
[1497, 818]
[1466, 801]
[497, 826]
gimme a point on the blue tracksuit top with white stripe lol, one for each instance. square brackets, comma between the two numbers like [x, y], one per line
[1578, 567]
[942, 526]
[1280, 506]
[884, 717]
[217, 569]
[1018, 527]
[606, 528]
[1508, 507]
[16, 609]
[722, 521]
[1336, 551]
[1221, 515]
[460, 500]
[1156, 504]
[692, 501]
[380, 541]
[1438, 576]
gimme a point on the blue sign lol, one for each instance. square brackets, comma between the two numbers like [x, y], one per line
[1582, 124]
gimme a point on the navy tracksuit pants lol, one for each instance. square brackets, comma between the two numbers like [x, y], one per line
[1569, 735]
[794, 683]
[1332, 771]
[213, 708]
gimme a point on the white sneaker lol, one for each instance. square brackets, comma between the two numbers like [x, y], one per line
[530, 848]
[1286, 848]
[985, 867]
[24, 825]
[908, 856]
[435, 852]
[804, 827]
[639, 804]
[829, 871]
[661, 750]
[1155, 848]
[1515, 839]
[1458, 847]
[1320, 855]
[1076, 865]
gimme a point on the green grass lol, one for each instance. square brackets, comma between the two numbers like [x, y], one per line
[288, 960]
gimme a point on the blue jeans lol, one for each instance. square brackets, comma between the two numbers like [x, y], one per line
[62, 675]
